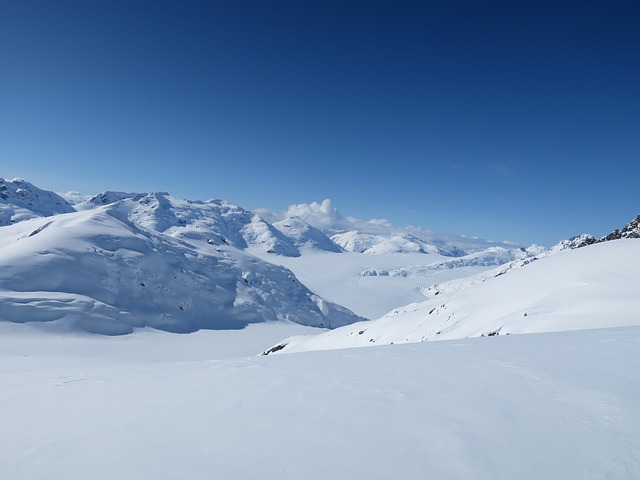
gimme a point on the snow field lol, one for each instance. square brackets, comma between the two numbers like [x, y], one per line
[553, 406]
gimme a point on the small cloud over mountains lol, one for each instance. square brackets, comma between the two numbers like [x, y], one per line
[324, 216]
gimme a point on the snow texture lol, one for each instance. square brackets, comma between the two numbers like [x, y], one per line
[544, 406]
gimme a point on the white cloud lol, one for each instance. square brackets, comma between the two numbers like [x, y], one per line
[73, 196]
[324, 216]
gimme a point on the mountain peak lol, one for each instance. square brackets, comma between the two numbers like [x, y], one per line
[108, 197]
[20, 200]
[304, 234]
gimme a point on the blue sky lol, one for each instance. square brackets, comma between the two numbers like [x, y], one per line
[505, 120]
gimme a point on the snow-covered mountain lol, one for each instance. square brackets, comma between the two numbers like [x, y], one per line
[488, 258]
[20, 200]
[401, 242]
[215, 222]
[304, 235]
[592, 287]
[376, 236]
[124, 261]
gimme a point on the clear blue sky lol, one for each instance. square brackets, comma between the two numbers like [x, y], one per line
[506, 120]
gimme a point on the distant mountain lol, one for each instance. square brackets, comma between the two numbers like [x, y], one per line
[376, 237]
[491, 257]
[20, 200]
[356, 241]
[303, 235]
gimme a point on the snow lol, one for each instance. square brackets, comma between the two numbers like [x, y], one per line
[373, 285]
[304, 235]
[121, 261]
[377, 236]
[552, 406]
[97, 271]
[20, 200]
[208, 404]
[596, 286]
[492, 256]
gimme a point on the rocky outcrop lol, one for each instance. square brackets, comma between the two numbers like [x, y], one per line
[630, 230]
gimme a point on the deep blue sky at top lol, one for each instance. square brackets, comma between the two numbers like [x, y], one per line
[508, 120]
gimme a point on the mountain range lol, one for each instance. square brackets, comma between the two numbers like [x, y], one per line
[119, 261]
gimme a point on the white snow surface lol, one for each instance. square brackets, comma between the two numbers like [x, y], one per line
[591, 287]
[152, 405]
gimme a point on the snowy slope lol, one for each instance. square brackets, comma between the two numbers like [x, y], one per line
[548, 406]
[96, 270]
[20, 200]
[591, 287]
